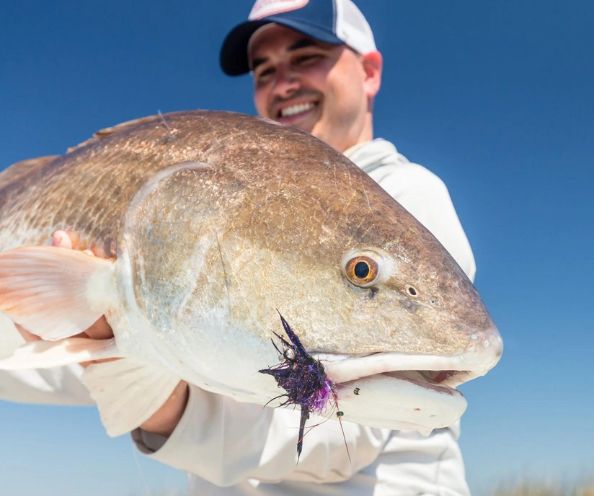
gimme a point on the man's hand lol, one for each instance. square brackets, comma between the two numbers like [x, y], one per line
[166, 417]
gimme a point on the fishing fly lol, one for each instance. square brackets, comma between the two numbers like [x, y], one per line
[304, 380]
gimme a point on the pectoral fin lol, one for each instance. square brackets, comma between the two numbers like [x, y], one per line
[54, 292]
[10, 339]
[128, 392]
[48, 354]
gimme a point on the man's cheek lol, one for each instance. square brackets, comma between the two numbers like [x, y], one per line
[259, 103]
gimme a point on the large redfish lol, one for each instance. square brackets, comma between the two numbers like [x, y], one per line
[211, 222]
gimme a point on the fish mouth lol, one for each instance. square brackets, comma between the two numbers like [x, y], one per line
[407, 391]
[435, 373]
[442, 381]
[398, 391]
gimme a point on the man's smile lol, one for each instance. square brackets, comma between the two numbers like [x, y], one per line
[296, 109]
[300, 112]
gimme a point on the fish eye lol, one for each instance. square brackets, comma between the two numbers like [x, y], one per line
[361, 270]
[411, 290]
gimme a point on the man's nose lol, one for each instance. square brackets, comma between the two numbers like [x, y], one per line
[286, 82]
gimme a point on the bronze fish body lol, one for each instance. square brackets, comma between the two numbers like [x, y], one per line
[213, 221]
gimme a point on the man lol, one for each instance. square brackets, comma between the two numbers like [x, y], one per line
[315, 66]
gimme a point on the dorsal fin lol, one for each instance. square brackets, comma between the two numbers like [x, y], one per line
[108, 131]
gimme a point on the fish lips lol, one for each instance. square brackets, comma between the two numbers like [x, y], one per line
[405, 392]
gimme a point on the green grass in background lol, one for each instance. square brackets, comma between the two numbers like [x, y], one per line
[533, 488]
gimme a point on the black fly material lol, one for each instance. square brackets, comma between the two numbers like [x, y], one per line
[304, 380]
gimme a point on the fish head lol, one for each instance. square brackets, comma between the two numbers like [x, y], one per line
[212, 250]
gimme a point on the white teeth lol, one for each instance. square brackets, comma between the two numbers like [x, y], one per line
[296, 109]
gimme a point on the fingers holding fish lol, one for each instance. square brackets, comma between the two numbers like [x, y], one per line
[99, 330]
[71, 239]
[165, 419]
[65, 239]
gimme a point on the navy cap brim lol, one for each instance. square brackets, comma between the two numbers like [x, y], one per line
[234, 57]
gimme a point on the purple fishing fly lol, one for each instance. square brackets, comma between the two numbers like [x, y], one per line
[304, 380]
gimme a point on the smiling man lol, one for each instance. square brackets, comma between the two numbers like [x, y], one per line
[304, 74]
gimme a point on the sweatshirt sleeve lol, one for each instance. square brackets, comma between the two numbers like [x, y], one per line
[413, 464]
[226, 442]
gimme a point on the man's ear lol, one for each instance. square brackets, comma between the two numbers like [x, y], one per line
[372, 65]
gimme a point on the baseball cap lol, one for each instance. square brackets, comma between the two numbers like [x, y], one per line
[335, 22]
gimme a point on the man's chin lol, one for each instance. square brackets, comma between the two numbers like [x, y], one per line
[311, 126]
[303, 125]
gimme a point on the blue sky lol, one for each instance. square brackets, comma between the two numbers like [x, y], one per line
[495, 97]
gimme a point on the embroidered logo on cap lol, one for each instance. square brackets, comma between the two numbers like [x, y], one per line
[265, 8]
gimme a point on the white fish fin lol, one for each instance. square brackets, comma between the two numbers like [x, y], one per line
[10, 339]
[54, 292]
[127, 392]
[47, 354]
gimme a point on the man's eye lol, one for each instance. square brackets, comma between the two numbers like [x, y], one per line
[264, 75]
[307, 59]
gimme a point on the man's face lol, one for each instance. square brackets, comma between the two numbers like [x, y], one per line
[316, 87]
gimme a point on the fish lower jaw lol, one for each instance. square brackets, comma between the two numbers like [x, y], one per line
[400, 400]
